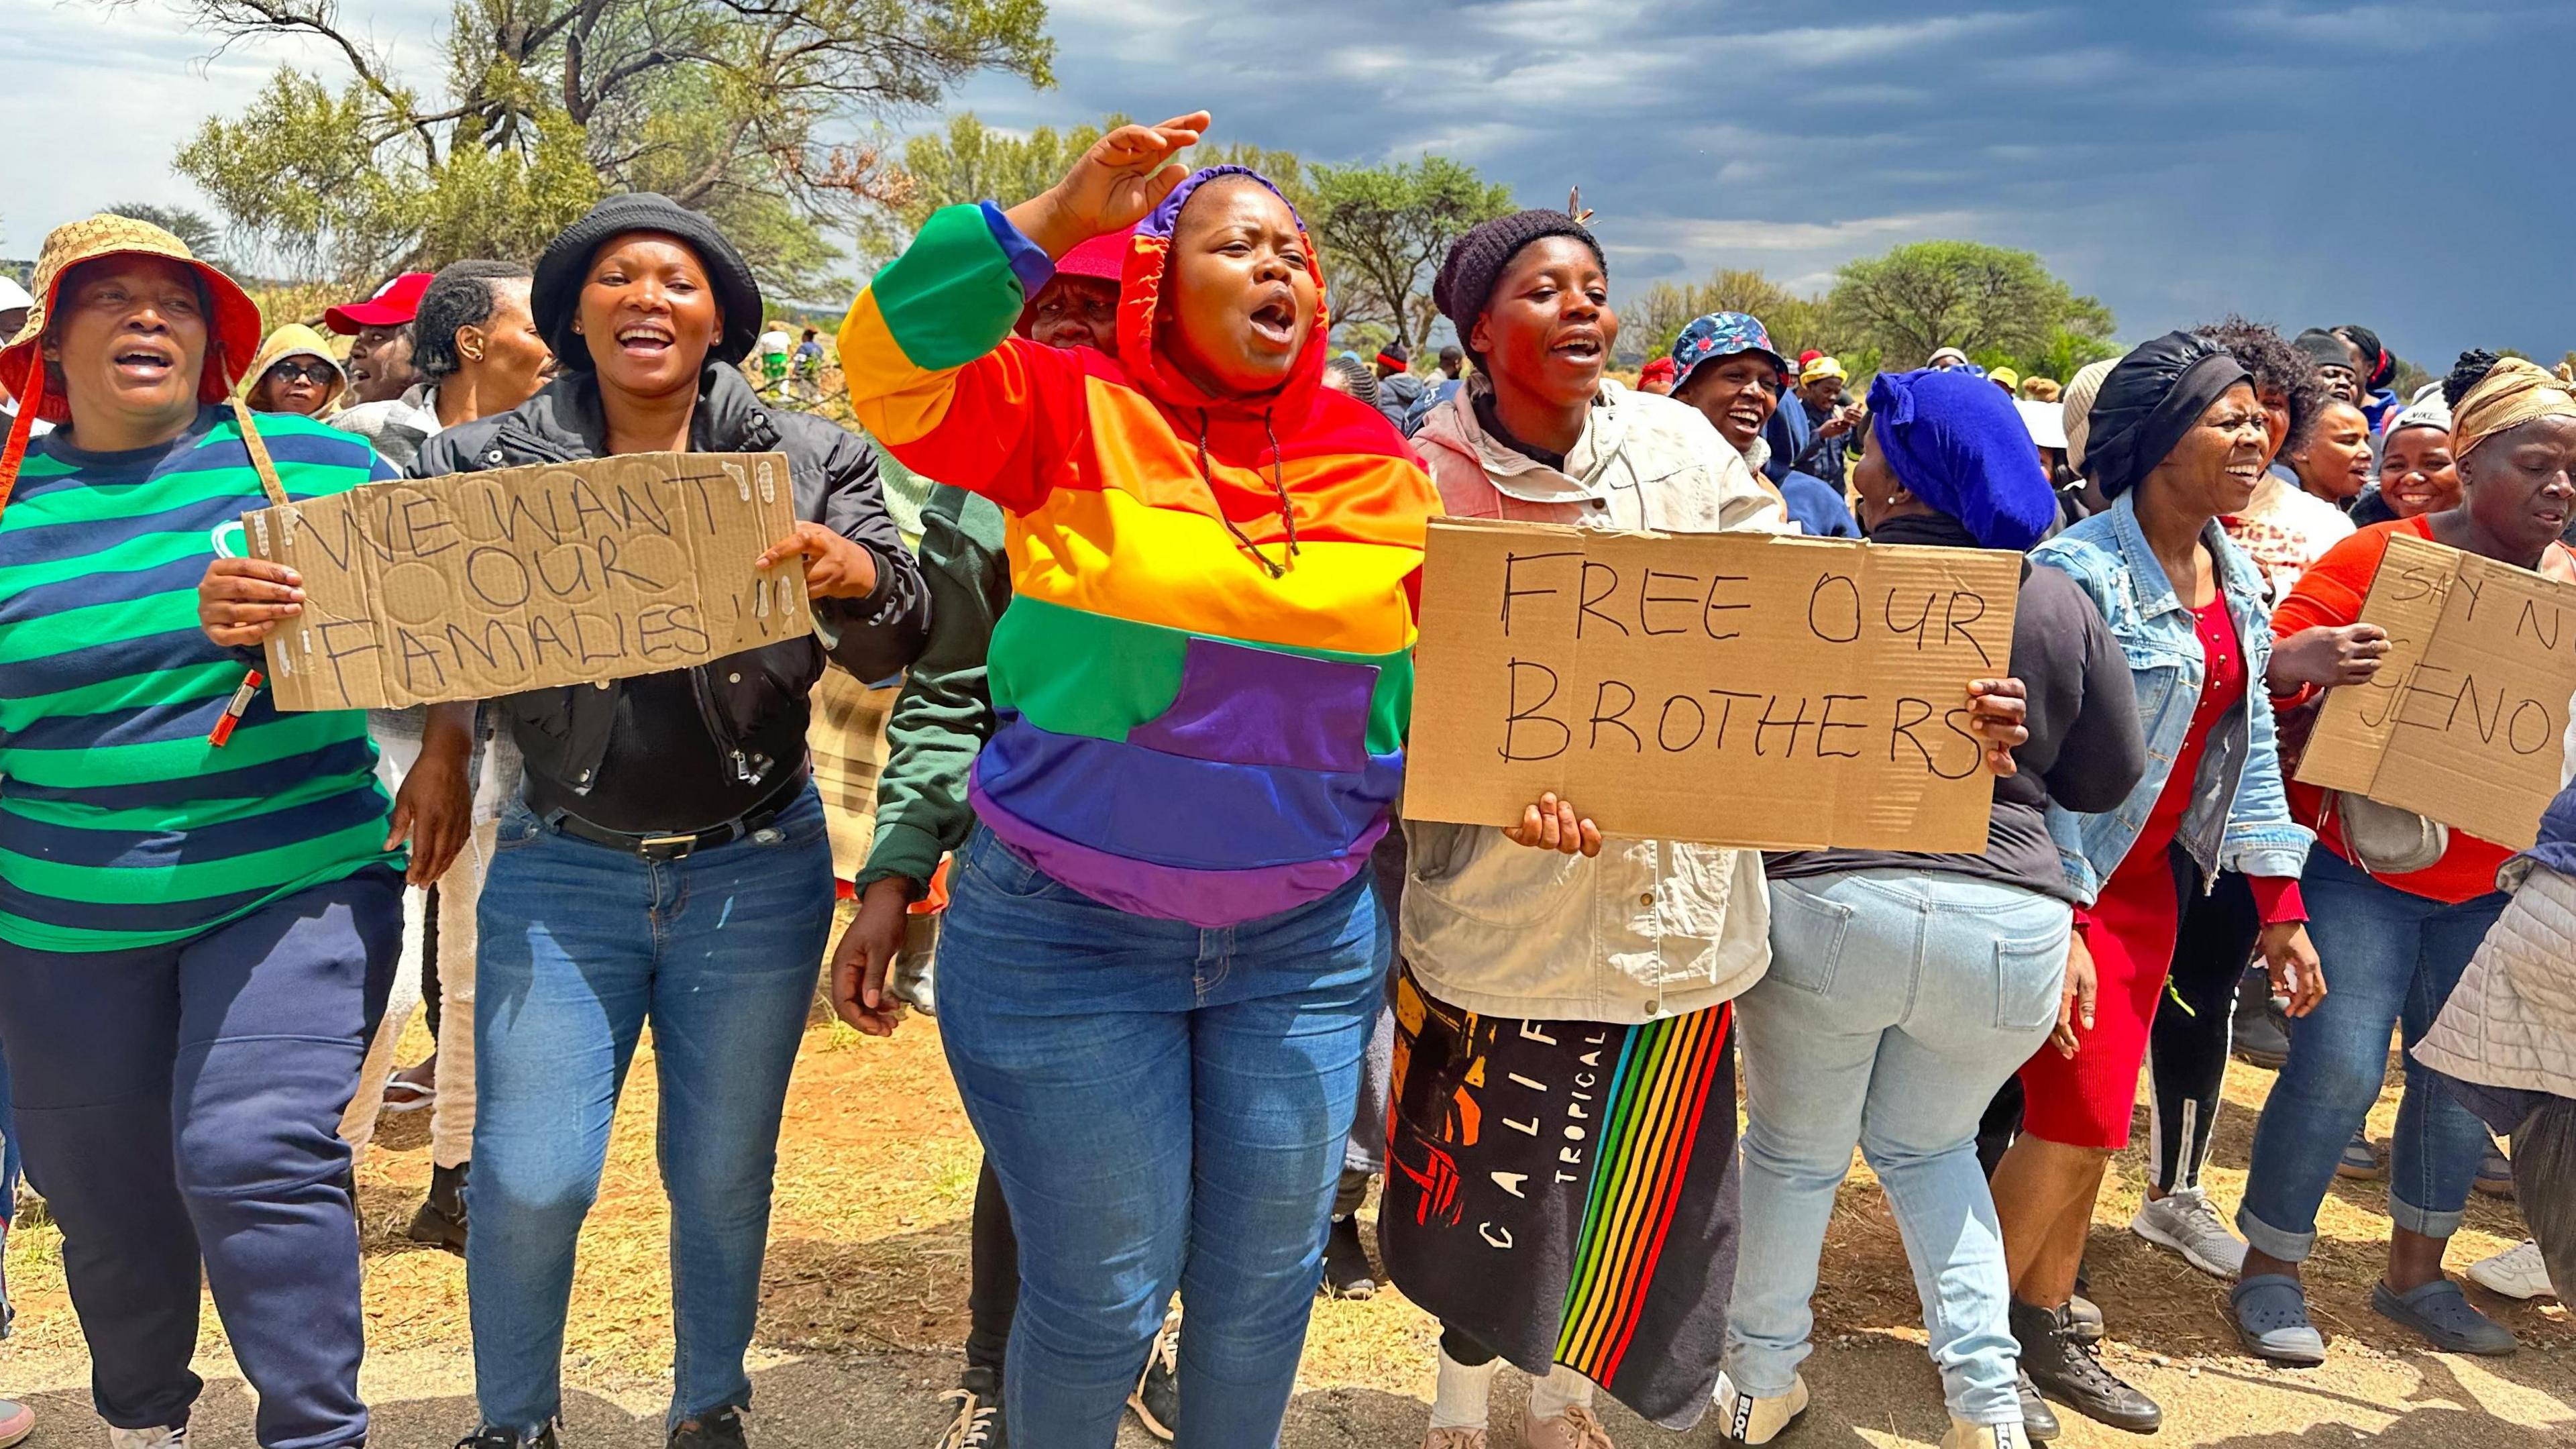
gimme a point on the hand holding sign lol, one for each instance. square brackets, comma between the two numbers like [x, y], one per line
[1996, 709]
[241, 601]
[835, 568]
[2327, 656]
[1553, 824]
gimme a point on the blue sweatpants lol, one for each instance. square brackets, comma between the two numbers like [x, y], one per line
[179, 1107]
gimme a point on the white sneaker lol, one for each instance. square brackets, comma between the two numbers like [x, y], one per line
[2517, 1272]
[2185, 1222]
[1748, 1420]
[1964, 1435]
[167, 1437]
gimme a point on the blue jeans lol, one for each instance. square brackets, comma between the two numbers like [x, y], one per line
[581, 944]
[181, 1107]
[2391, 959]
[1166, 1108]
[1897, 1003]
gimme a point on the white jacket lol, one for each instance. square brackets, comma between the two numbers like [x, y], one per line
[1649, 928]
[2511, 1022]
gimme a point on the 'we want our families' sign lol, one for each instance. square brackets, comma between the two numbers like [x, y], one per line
[479, 585]
[1740, 689]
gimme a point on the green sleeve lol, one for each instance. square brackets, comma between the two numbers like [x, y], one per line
[944, 713]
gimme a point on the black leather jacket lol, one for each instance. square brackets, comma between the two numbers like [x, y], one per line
[564, 732]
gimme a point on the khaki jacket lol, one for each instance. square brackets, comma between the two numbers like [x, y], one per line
[1649, 928]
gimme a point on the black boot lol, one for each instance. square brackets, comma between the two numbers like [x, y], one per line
[2065, 1369]
[2038, 1420]
[441, 1219]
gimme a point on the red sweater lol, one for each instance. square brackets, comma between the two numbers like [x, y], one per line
[2331, 593]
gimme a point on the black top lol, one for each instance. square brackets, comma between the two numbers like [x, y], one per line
[664, 774]
[2085, 752]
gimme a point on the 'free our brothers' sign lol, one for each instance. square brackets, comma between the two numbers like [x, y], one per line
[1748, 690]
[484, 584]
[2465, 720]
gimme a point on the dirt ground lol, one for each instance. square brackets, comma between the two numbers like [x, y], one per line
[863, 1307]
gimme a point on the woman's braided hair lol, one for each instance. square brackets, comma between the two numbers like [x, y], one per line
[2471, 369]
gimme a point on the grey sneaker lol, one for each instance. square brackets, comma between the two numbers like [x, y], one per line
[2185, 1222]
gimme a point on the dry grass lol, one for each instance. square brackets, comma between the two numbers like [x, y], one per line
[876, 1180]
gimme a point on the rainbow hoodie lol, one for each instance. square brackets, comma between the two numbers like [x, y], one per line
[1198, 721]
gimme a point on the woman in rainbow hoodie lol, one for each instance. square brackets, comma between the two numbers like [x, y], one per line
[1162, 955]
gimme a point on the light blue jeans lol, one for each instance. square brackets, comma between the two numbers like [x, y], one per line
[1166, 1108]
[580, 946]
[1897, 1002]
[2391, 959]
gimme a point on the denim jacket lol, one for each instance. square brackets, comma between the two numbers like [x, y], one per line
[2239, 818]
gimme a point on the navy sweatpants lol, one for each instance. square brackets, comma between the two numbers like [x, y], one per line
[179, 1106]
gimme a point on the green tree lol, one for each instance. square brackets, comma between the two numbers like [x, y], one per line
[1649, 321]
[725, 105]
[1925, 296]
[194, 228]
[1385, 230]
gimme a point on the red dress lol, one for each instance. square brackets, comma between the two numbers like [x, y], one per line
[2087, 1102]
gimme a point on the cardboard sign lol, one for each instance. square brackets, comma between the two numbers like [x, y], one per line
[1740, 689]
[483, 584]
[2465, 721]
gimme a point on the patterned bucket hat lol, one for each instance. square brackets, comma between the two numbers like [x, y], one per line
[234, 318]
[1721, 334]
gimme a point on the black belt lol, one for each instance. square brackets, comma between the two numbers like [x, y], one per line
[676, 847]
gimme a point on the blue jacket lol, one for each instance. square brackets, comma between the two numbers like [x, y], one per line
[2239, 818]
[1817, 506]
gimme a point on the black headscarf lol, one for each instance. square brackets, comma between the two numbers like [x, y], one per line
[2149, 402]
[555, 296]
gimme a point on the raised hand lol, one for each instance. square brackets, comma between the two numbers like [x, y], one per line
[1124, 175]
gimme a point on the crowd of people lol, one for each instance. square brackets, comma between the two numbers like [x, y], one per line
[1199, 984]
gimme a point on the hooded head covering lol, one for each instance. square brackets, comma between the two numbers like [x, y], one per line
[232, 323]
[1722, 334]
[1957, 443]
[2149, 402]
[1140, 307]
[294, 340]
[555, 296]
[1476, 262]
[2076, 406]
[2512, 393]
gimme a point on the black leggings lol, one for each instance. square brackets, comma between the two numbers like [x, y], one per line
[1463, 1349]
[2195, 1027]
[993, 1292]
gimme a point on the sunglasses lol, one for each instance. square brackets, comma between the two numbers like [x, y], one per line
[320, 374]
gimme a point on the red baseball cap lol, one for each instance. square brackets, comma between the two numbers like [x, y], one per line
[1103, 257]
[394, 304]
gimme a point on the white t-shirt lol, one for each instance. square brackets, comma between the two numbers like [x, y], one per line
[2284, 530]
[775, 344]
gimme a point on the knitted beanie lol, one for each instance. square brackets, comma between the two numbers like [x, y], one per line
[555, 296]
[2078, 403]
[1476, 263]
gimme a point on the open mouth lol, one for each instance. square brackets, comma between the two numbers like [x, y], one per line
[646, 339]
[1274, 322]
[1750, 419]
[144, 362]
[1582, 347]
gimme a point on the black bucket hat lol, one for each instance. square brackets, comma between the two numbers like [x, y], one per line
[554, 297]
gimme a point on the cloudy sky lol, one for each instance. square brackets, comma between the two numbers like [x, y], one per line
[2399, 165]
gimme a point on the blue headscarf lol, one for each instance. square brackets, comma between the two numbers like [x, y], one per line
[1956, 442]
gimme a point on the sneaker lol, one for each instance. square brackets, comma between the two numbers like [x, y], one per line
[2517, 1273]
[1157, 1400]
[1454, 1439]
[2262, 1034]
[2185, 1222]
[979, 1423]
[1964, 1435]
[2037, 1418]
[1748, 1420]
[169, 1436]
[2360, 1161]
[2085, 1317]
[1347, 1273]
[2067, 1370]
[2495, 1175]
[488, 1437]
[440, 1222]
[17, 1421]
[1573, 1429]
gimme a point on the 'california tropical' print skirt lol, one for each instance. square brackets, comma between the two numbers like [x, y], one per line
[1565, 1192]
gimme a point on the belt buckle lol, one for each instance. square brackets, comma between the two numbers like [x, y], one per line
[666, 847]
